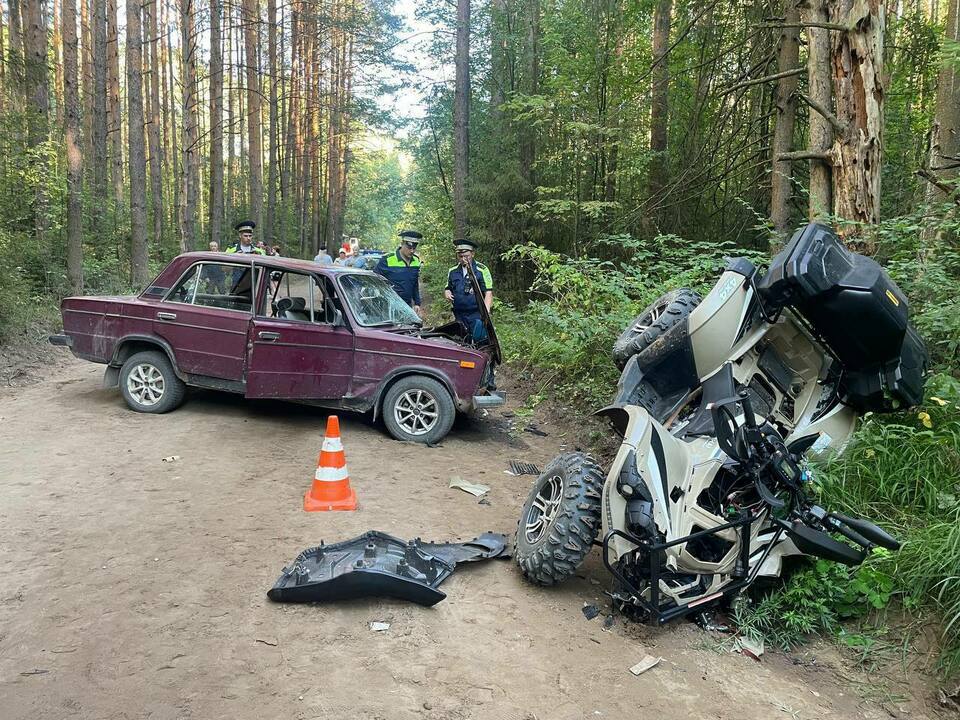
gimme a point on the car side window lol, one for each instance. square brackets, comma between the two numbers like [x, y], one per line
[297, 296]
[220, 285]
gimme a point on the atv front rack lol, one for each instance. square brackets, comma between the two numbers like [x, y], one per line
[652, 605]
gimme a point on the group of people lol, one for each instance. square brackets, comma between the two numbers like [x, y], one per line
[402, 269]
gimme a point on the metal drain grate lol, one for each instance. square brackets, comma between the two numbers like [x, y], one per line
[522, 468]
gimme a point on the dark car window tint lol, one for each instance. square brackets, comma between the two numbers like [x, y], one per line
[219, 285]
[296, 296]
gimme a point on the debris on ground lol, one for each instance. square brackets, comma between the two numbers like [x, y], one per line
[708, 621]
[522, 468]
[170, 458]
[483, 501]
[378, 626]
[534, 430]
[608, 622]
[949, 698]
[648, 662]
[590, 611]
[749, 647]
[474, 489]
[266, 642]
[377, 564]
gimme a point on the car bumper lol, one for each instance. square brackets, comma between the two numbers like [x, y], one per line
[493, 399]
[61, 340]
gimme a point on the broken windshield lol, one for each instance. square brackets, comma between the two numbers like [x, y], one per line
[374, 302]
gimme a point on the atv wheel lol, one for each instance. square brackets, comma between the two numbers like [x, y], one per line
[652, 323]
[560, 519]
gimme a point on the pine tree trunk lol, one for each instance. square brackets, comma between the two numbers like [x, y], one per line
[268, 231]
[528, 145]
[155, 124]
[114, 118]
[788, 58]
[857, 60]
[189, 191]
[71, 139]
[38, 95]
[251, 25]
[99, 122]
[15, 57]
[821, 132]
[136, 150]
[461, 120]
[86, 82]
[659, 98]
[945, 133]
[216, 124]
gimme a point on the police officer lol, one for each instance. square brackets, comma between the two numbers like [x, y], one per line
[460, 292]
[244, 243]
[402, 268]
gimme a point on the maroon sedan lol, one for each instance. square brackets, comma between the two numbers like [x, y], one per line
[280, 328]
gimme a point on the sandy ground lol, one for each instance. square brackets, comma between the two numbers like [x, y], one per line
[133, 587]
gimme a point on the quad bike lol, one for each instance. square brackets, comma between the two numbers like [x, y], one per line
[718, 403]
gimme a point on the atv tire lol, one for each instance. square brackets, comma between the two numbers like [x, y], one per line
[560, 519]
[653, 322]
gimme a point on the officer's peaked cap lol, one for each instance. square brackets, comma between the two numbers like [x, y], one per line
[244, 225]
[411, 235]
[464, 244]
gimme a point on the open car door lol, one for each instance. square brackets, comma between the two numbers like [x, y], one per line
[493, 343]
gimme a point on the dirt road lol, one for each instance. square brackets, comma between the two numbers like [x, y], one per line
[133, 587]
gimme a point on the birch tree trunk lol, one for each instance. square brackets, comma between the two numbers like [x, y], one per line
[821, 132]
[71, 140]
[461, 121]
[136, 151]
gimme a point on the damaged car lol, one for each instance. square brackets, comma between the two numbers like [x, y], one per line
[283, 329]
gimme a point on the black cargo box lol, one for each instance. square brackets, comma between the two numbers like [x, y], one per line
[859, 313]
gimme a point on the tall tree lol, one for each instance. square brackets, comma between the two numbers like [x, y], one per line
[821, 131]
[945, 133]
[37, 86]
[71, 140]
[659, 96]
[857, 62]
[190, 190]
[788, 60]
[155, 122]
[114, 118]
[99, 101]
[251, 34]
[528, 142]
[273, 128]
[461, 120]
[15, 55]
[136, 150]
[216, 123]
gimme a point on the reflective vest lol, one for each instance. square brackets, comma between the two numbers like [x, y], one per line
[254, 250]
[464, 301]
[404, 277]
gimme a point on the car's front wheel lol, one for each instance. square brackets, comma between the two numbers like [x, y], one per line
[418, 409]
[149, 384]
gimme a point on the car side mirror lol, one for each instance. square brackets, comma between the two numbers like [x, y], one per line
[337, 320]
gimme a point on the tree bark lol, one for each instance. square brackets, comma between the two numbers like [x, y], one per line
[71, 139]
[528, 138]
[857, 61]
[155, 124]
[216, 123]
[38, 95]
[189, 189]
[136, 151]
[821, 132]
[945, 133]
[659, 97]
[15, 56]
[251, 25]
[461, 121]
[86, 82]
[114, 117]
[273, 128]
[99, 156]
[788, 59]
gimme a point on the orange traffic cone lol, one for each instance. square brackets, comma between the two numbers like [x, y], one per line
[331, 484]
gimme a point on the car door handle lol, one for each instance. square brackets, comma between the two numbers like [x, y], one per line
[268, 335]
[166, 316]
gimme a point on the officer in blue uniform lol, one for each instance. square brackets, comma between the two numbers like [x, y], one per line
[460, 292]
[402, 269]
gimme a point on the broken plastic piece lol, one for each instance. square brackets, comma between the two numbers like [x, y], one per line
[523, 468]
[380, 565]
[475, 489]
[648, 662]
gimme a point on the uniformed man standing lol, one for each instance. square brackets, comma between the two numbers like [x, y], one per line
[460, 292]
[402, 268]
[244, 244]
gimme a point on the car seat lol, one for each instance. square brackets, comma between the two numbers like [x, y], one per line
[293, 308]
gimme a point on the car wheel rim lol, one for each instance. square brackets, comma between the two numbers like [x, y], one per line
[545, 506]
[416, 412]
[145, 384]
[647, 320]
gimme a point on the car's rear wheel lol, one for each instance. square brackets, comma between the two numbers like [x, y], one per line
[149, 384]
[418, 409]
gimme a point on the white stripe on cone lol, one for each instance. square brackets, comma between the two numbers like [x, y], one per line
[329, 474]
[332, 444]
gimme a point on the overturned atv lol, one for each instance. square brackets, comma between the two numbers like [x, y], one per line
[718, 403]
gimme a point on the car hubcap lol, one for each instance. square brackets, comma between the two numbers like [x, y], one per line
[544, 509]
[416, 412]
[649, 320]
[145, 384]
